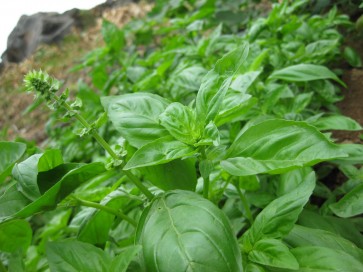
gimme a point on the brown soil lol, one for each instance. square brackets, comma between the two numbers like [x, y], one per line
[352, 104]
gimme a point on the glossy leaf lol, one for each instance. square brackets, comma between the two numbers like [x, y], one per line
[279, 217]
[181, 231]
[351, 204]
[336, 122]
[10, 152]
[277, 146]
[70, 256]
[231, 62]
[136, 116]
[274, 253]
[176, 174]
[15, 235]
[27, 171]
[181, 122]
[352, 57]
[305, 72]
[313, 258]
[160, 151]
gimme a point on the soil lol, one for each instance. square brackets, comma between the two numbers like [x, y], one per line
[352, 104]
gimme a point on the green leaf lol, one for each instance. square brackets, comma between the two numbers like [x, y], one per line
[181, 231]
[211, 135]
[10, 152]
[27, 171]
[277, 146]
[14, 235]
[97, 225]
[272, 252]
[210, 96]
[355, 154]
[352, 57]
[211, 92]
[136, 116]
[74, 256]
[336, 122]
[278, 218]
[159, 151]
[176, 174]
[231, 62]
[305, 72]
[121, 262]
[351, 204]
[112, 35]
[57, 183]
[304, 236]
[339, 226]
[181, 122]
[313, 258]
[11, 202]
[290, 180]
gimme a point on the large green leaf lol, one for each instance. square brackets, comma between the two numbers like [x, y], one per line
[14, 235]
[11, 202]
[305, 72]
[75, 256]
[350, 204]
[26, 172]
[181, 231]
[176, 174]
[313, 258]
[272, 252]
[136, 116]
[159, 151]
[10, 152]
[278, 218]
[181, 122]
[277, 146]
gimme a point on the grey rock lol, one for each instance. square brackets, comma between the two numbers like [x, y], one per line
[33, 30]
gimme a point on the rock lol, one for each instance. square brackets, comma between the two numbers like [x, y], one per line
[32, 30]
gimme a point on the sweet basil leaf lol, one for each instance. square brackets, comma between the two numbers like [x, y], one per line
[27, 171]
[314, 258]
[231, 62]
[10, 153]
[181, 122]
[351, 204]
[64, 186]
[15, 235]
[303, 236]
[159, 151]
[11, 202]
[305, 72]
[336, 122]
[182, 231]
[176, 174]
[121, 262]
[278, 218]
[352, 57]
[277, 146]
[136, 116]
[70, 256]
[112, 35]
[274, 253]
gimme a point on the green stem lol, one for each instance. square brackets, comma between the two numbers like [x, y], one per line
[206, 180]
[108, 148]
[245, 204]
[106, 209]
